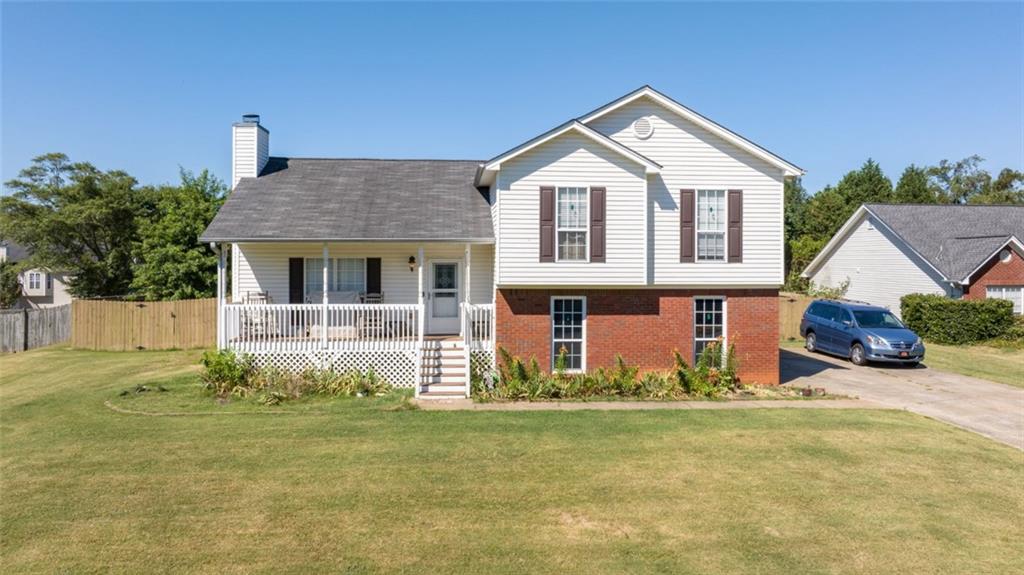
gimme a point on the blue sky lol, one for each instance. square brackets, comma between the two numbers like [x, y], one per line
[149, 87]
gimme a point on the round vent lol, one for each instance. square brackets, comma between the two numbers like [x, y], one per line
[643, 128]
[1004, 256]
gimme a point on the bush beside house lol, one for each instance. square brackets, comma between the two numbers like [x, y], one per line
[956, 321]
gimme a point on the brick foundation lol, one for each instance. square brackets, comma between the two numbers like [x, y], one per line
[995, 273]
[644, 326]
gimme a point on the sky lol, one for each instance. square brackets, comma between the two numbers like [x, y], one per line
[150, 87]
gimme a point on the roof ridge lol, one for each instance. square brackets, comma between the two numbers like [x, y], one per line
[321, 158]
[945, 205]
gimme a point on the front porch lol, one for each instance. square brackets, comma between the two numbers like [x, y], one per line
[420, 316]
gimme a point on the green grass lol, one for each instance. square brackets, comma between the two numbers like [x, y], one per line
[359, 487]
[1003, 363]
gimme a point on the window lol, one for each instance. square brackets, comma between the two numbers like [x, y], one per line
[49, 282]
[1012, 293]
[572, 224]
[343, 274]
[708, 323]
[711, 225]
[33, 280]
[877, 319]
[567, 316]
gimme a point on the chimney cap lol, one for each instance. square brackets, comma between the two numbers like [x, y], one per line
[251, 119]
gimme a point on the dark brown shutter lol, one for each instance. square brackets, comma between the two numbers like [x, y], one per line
[547, 224]
[687, 214]
[735, 232]
[597, 224]
[296, 280]
[372, 275]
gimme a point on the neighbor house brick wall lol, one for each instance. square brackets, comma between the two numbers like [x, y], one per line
[995, 273]
[644, 326]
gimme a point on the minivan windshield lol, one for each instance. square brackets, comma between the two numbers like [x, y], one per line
[876, 318]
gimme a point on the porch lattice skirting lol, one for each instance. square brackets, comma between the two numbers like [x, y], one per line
[395, 367]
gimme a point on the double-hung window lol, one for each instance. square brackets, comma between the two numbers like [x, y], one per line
[343, 274]
[567, 317]
[711, 215]
[572, 223]
[33, 280]
[708, 323]
[1012, 293]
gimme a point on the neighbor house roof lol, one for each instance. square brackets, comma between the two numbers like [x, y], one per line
[954, 239]
[306, 199]
[15, 252]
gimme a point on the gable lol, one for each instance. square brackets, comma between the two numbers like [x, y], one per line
[676, 140]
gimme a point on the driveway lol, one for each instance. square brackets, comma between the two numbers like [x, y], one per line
[990, 409]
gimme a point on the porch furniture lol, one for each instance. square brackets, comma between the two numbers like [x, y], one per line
[258, 322]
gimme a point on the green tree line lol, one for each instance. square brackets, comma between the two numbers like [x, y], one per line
[811, 220]
[112, 235]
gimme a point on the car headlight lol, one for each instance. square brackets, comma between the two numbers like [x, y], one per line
[875, 340]
[918, 343]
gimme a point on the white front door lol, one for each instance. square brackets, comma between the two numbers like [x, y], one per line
[443, 298]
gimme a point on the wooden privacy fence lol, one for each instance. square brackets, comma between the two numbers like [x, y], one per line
[25, 329]
[791, 309]
[124, 325]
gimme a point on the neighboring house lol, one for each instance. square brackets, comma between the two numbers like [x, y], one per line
[637, 229]
[886, 251]
[39, 288]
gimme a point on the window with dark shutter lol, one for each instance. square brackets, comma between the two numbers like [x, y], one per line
[735, 234]
[597, 224]
[547, 224]
[687, 212]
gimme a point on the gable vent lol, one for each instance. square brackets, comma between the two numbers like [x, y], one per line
[643, 128]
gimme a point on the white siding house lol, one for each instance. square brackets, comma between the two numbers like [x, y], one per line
[879, 267]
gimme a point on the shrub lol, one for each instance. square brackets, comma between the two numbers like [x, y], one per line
[224, 372]
[956, 321]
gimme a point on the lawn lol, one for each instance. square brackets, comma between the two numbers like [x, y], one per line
[361, 486]
[1003, 364]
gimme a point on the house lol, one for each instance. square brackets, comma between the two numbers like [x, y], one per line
[40, 288]
[887, 251]
[637, 229]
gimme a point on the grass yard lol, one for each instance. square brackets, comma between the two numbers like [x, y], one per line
[361, 486]
[1004, 364]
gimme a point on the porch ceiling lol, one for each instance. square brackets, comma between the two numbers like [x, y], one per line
[297, 199]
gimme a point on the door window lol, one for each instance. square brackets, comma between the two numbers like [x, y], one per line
[446, 290]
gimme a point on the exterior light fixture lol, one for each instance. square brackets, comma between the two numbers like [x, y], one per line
[412, 263]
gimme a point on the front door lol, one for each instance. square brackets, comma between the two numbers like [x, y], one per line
[443, 298]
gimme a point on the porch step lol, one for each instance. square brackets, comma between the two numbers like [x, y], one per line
[458, 389]
[443, 374]
[442, 395]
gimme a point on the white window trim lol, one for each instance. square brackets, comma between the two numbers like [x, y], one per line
[305, 271]
[725, 323]
[1003, 289]
[34, 280]
[586, 248]
[697, 231]
[551, 333]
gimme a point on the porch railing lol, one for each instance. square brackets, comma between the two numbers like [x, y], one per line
[477, 335]
[261, 328]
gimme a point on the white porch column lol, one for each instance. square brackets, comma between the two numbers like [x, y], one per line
[221, 328]
[420, 320]
[469, 257]
[324, 322]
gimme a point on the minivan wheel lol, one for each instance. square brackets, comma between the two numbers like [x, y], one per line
[857, 355]
[811, 343]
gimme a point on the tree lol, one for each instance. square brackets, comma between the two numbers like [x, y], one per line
[826, 212]
[10, 287]
[864, 186]
[171, 262]
[913, 187]
[958, 182]
[1007, 188]
[796, 199]
[75, 218]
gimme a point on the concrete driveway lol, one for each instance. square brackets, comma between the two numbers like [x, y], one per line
[990, 409]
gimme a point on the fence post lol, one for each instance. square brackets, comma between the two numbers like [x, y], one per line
[24, 330]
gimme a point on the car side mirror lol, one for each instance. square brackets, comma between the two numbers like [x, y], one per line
[848, 323]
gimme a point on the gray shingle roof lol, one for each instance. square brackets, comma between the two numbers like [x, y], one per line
[15, 252]
[956, 239]
[343, 199]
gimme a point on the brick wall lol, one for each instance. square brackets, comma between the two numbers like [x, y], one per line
[996, 272]
[644, 326]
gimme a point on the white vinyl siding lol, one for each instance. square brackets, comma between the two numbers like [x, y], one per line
[264, 267]
[250, 151]
[570, 161]
[693, 158]
[880, 268]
